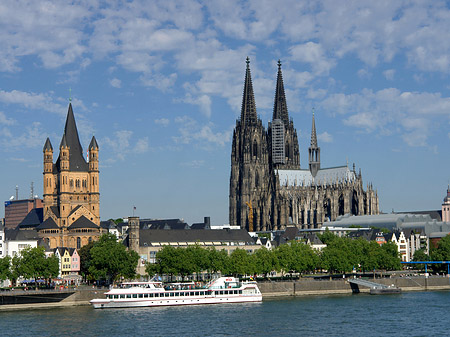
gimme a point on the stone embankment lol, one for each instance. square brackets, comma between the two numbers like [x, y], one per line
[342, 286]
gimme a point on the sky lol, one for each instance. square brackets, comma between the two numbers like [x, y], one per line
[159, 84]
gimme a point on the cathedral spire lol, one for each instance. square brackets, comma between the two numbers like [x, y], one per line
[248, 111]
[280, 110]
[314, 150]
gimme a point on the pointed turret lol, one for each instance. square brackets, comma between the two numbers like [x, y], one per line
[48, 145]
[248, 111]
[93, 145]
[280, 110]
[314, 150]
[63, 143]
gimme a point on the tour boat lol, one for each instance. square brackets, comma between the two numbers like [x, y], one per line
[152, 294]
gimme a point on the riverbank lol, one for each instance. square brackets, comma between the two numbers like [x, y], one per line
[304, 287]
[269, 289]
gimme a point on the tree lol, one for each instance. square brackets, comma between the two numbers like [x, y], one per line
[265, 261]
[5, 268]
[219, 260]
[85, 259]
[421, 255]
[32, 263]
[110, 260]
[241, 263]
[441, 253]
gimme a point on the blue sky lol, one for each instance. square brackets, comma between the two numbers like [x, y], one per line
[159, 84]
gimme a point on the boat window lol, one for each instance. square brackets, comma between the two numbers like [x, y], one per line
[172, 294]
[122, 296]
[134, 295]
[240, 292]
[197, 293]
[157, 295]
[202, 293]
[116, 296]
[166, 295]
[141, 295]
[191, 293]
[128, 295]
[145, 295]
[221, 292]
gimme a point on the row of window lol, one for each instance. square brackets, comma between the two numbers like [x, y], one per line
[177, 294]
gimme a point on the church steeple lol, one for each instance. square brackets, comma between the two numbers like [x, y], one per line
[72, 141]
[314, 150]
[248, 111]
[280, 110]
[313, 132]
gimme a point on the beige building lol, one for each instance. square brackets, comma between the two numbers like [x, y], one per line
[147, 242]
[71, 191]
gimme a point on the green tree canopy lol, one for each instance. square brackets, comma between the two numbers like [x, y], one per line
[110, 260]
[32, 263]
[5, 268]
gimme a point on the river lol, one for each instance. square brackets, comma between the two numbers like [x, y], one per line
[407, 314]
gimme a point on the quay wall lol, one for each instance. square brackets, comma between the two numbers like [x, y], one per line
[342, 286]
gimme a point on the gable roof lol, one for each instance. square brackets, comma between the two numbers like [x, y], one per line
[83, 222]
[49, 223]
[32, 219]
[21, 235]
[163, 224]
[149, 236]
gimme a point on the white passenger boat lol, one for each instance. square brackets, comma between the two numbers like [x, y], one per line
[152, 294]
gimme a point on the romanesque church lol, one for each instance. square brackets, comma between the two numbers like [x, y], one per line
[269, 190]
[71, 211]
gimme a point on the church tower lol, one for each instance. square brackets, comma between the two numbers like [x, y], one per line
[314, 151]
[71, 191]
[446, 207]
[283, 142]
[249, 165]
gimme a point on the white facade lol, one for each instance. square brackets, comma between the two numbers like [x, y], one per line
[14, 247]
[2, 242]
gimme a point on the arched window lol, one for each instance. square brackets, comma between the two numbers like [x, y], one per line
[78, 243]
[255, 149]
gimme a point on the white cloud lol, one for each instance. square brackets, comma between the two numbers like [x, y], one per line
[193, 164]
[121, 145]
[389, 74]
[190, 131]
[32, 137]
[159, 81]
[116, 83]
[31, 100]
[325, 137]
[5, 120]
[162, 121]
[412, 114]
[314, 54]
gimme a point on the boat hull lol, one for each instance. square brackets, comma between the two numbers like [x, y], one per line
[107, 303]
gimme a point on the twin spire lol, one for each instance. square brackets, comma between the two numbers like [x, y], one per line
[248, 111]
[280, 110]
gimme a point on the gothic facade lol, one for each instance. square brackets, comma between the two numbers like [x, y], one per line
[269, 190]
[71, 191]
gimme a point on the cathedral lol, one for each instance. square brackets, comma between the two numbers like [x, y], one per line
[71, 210]
[269, 190]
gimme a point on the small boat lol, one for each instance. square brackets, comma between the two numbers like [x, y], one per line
[153, 294]
[385, 290]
